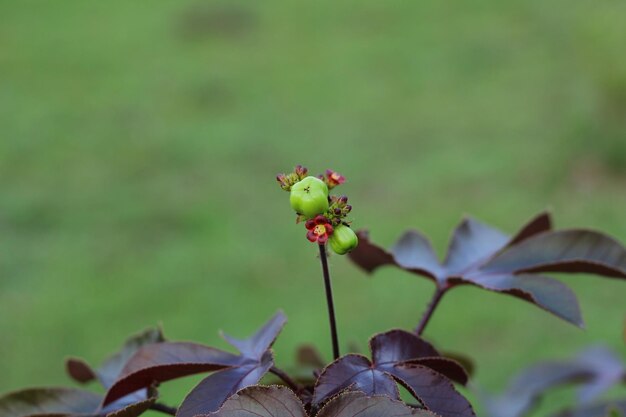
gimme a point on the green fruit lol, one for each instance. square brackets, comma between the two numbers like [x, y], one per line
[309, 197]
[343, 240]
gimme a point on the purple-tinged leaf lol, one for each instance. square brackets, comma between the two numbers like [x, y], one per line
[49, 401]
[353, 372]
[608, 371]
[527, 388]
[398, 346]
[597, 369]
[472, 242]
[368, 255]
[448, 367]
[356, 404]
[466, 363]
[80, 370]
[487, 258]
[611, 408]
[539, 224]
[545, 292]
[162, 362]
[433, 390]
[209, 395]
[308, 355]
[159, 362]
[262, 340]
[65, 402]
[273, 401]
[414, 252]
[262, 401]
[570, 251]
[112, 367]
[398, 357]
[131, 410]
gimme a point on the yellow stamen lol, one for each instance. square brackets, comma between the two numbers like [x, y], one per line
[319, 230]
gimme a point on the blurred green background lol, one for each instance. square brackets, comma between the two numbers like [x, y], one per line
[139, 143]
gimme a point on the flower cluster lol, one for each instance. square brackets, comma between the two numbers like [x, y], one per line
[325, 215]
[286, 181]
[332, 178]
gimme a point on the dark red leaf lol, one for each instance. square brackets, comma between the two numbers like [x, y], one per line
[112, 367]
[414, 252]
[161, 362]
[545, 292]
[260, 401]
[79, 370]
[472, 242]
[131, 410]
[433, 390]
[262, 340]
[49, 401]
[166, 361]
[369, 256]
[539, 224]
[211, 393]
[356, 404]
[597, 369]
[64, 402]
[354, 372]
[276, 401]
[463, 360]
[398, 346]
[403, 357]
[563, 251]
[483, 256]
[445, 366]
[308, 355]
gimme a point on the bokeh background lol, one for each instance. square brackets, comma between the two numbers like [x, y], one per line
[139, 143]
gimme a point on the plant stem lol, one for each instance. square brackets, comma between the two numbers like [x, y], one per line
[329, 301]
[287, 379]
[434, 302]
[163, 409]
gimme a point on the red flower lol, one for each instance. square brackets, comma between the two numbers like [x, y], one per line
[334, 178]
[319, 229]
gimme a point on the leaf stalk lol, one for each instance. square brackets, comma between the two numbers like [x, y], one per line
[430, 310]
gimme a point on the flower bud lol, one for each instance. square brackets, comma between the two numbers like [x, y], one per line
[309, 197]
[343, 240]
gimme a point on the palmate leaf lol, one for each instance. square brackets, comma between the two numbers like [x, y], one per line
[596, 370]
[398, 357]
[65, 402]
[274, 401]
[169, 360]
[485, 257]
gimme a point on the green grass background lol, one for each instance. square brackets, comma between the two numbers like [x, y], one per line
[139, 141]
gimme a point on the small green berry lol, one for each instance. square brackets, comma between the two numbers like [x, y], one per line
[343, 240]
[309, 197]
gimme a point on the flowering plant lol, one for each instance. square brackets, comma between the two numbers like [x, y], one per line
[353, 384]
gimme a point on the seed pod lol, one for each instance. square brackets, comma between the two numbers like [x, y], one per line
[343, 240]
[309, 197]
